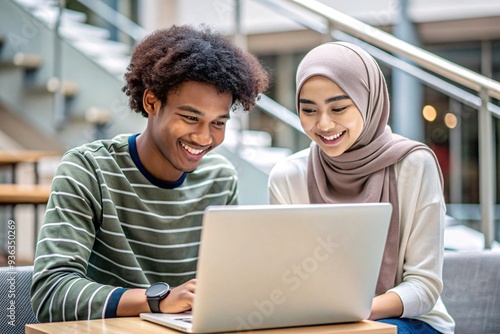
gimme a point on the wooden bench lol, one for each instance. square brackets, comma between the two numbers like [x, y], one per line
[13, 158]
[31, 194]
[13, 194]
[9, 157]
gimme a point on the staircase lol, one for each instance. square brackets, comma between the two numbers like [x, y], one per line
[50, 83]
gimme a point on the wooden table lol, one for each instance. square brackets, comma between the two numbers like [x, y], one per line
[136, 325]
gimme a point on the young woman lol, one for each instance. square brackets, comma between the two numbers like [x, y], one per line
[343, 105]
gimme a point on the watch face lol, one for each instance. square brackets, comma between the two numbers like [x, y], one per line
[157, 289]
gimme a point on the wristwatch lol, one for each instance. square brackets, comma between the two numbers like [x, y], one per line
[155, 294]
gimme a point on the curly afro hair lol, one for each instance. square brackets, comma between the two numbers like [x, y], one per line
[169, 57]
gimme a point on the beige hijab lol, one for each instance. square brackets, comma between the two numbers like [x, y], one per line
[365, 172]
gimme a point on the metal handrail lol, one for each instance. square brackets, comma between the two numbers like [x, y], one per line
[390, 43]
[280, 112]
[425, 77]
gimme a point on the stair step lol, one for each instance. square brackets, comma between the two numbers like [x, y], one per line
[48, 11]
[235, 137]
[95, 115]
[33, 4]
[102, 47]
[23, 60]
[264, 157]
[69, 88]
[81, 31]
[49, 15]
[114, 64]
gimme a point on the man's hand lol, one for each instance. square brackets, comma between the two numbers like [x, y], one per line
[180, 298]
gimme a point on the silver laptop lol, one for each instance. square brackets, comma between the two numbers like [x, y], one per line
[269, 266]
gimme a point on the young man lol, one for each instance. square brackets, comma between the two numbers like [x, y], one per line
[122, 226]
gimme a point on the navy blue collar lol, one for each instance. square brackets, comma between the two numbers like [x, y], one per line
[157, 182]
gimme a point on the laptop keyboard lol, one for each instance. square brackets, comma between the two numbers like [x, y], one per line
[188, 320]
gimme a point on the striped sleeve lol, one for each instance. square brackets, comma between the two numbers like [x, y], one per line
[61, 290]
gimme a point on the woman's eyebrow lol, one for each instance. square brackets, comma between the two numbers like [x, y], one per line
[306, 101]
[337, 98]
[329, 100]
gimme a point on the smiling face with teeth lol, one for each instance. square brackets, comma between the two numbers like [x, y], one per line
[329, 117]
[180, 132]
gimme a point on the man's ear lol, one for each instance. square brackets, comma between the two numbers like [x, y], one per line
[150, 102]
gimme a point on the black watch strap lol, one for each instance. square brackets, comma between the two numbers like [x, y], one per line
[154, 304]
[155, 294]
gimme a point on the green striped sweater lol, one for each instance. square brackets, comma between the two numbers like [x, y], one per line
[110, 225]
